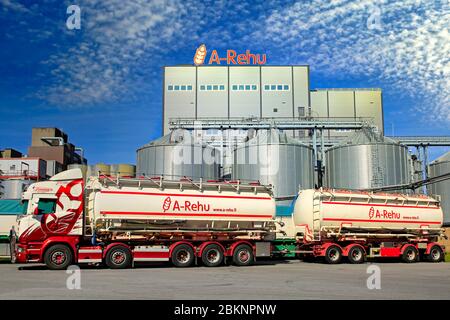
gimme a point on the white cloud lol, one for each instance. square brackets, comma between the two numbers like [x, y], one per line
[410, 52]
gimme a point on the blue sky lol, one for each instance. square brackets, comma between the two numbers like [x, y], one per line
[102, 84]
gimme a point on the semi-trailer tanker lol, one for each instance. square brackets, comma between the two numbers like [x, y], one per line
[333, 224]
[122, 221]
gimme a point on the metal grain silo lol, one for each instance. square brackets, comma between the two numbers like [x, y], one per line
[366, 160]
[436, 168]
[123, 170]
[13, 188]
[177, 155]
[274, 158]
[103, 169]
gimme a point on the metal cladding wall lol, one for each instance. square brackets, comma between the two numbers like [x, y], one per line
[174, 158]
[437, 168]
[367, 165]
[273, 158]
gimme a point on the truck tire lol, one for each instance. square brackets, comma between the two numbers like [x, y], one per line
[356, 255]
[436, 254]
[333, 255]
[212, 255]
[118, 257]
[410, 255]
[58, 257]
[183, 256]
[243, 255]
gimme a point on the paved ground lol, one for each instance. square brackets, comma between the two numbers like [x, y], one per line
[267, 280]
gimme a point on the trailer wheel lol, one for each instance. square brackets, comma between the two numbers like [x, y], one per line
[212, 255]
[243, 255]
[58, 257]
[183, 256]
[410, 254]
[118, 257]
[435, 255]
[356, 255]
[333, 255]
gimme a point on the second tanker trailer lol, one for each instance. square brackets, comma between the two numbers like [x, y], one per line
[333, 224]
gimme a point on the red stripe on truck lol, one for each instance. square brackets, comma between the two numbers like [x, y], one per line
[188, 214]
[182, 195]
[378, 205]
[366, 220]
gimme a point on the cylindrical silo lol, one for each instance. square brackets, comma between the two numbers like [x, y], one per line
[99, 168]
[366, 160]
[177, 155]
[274, 158]
[13, 188]
[439, 167]
[123, 170]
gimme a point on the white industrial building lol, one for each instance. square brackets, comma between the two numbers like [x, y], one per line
[228, 92]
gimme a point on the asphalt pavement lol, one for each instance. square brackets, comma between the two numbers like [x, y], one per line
[286, 279]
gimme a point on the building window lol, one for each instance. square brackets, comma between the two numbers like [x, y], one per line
[275, 109]
[181, 87]
[212, 87]
[244, 87]
[276, 87]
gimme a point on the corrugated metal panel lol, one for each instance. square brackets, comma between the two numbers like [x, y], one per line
[274, 158]
[366, 164]
[174, 158]
[437, 168]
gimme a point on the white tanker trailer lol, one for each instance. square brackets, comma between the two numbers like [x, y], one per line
[338, 223]
[122, 221]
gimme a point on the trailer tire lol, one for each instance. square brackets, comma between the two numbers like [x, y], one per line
[212, 255]
[58, 257]
[436, 254]
[183, 256]
[118, 257]
[243, 255]
[356, 255]
[333, 255]
[410, 254]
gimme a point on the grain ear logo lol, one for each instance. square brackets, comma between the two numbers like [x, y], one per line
[200, 55]
[371, 212]
[166, 204]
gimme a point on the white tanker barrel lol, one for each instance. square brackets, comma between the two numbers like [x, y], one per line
[214, 206]
[335, 210]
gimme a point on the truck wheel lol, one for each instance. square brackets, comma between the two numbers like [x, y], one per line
[118, 257]
[58, 257]
[410, 254]
[212, 255]
[333, 255]
[183, 256]
[435, 255]
[356, 255]
[243, 255]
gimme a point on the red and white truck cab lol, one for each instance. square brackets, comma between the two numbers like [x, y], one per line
[54, 216]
